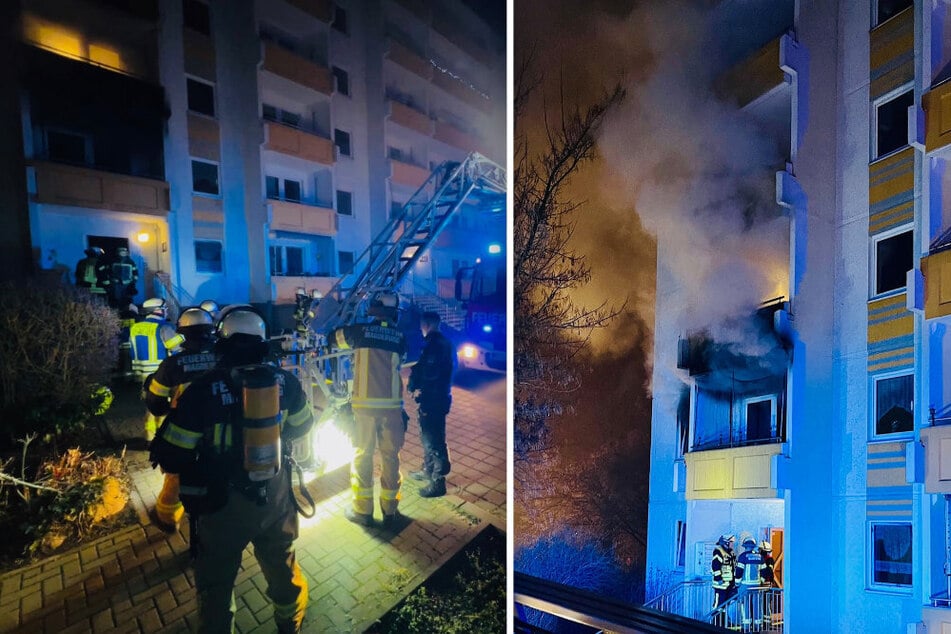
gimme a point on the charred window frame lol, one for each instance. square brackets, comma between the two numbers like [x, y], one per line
[890, 556]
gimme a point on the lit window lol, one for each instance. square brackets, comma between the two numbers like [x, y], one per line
[894, 405]
[891, 554]
[343, 80]
[197, 16]
[891, 124]
[893, 259]
[342, 141]
[205, 177]
[889, 8]
[344, 203]
[208, 256]
[340, 19]
[201, 97]
[344, 262]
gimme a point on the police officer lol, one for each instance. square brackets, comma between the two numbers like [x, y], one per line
[225, 438]
[87, 271]
[749, 567]
[148, 347]
[722, 565]
[169, 381]
[377, 402]
[431, 384]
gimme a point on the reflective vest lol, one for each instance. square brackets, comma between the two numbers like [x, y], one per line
[722, 567]
[148, 346]
[378, 352]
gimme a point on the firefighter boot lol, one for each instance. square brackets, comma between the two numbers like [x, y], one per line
[436, 488]
[358, 518]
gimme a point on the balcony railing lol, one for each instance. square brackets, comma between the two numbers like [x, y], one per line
[756, 610]
[936, 104]
[298, 69]
[287, 215]
[84, 187]
[691, 599]
[309, 128]
[736, 473]
[285, 139]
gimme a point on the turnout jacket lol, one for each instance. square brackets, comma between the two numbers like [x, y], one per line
[749, 567]
[204, 431]
[175, 374]
[148, 339]
[432, 374]
[378, 348]
[722, 567]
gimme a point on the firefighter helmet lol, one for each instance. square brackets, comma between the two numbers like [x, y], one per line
[765, 546]
[154, 305]
[384, 304]
[94, 252]
[242, 321]
[210, 306]
[726, 539]
[194, 320]
[301, 291]
[747, 538]
[122, 252]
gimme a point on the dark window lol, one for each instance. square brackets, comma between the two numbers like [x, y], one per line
[889, 8]
[891, 554]
[201, 97]
[342, 141]
[680, 547]
[892, 132]
[344, 262]
[205, 177]
[343, 80]
[344, 203]
[894, 405]
[292, 190]
[272, 185]
[340, 19]
[295, 260]
[269, 112]
[276, 257]
[396, 208]
[197, 16]
[893, 260]
[66, 147]
[290, 118]
[759, 420]
[207, 256]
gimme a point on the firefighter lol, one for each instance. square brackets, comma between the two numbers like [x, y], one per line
[210, 306]
[377, 402]
[87, 272]
[123, 276]
[767, 578]
[225, 438]
[169, 381]
[722, 565]
[301, 305]
[128, 315]
[749, 567]
[148, 346]
[431, 384]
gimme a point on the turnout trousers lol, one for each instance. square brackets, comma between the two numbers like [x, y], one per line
[376, 428]
[223, 536]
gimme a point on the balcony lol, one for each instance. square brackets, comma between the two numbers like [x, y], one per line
[936, 270]
[94, 189]
[407, 174]
[936, 104]
[451, 135]
[300, 70]
[461, 91]
[287, 215]
[937, 442]
[409, 117]
[755, 76]
[296, 142]
[734, 473]
[408, 59]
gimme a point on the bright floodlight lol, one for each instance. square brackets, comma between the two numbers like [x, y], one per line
[495, 248]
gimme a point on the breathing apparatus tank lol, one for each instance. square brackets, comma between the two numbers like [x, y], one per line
[261, 424]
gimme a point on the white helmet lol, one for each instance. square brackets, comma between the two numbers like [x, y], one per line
[384, 304]
[193, 317]
[242, 321]
[765, 546]
[154, 305]
[747, 538]
[210, 306]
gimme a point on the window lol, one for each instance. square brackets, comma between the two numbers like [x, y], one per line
[197, 16]
[201, 97]
[891, 123]
[343, 80]
[66, 147]
[286, 260]
[292, 190]
[683, 422]
[205, 177]
[893, 259]
[344, 262]
[340, 19]
[272, 186]
[208, 256]
[889, 8]
[396, 209]
[342, 141]
[894, 405]
[680, 544]
[760, 416]
[891, 554]
[344, 203]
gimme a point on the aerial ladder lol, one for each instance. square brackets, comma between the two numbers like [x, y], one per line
[387, 260]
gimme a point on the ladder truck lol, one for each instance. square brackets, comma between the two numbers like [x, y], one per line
[381, 267]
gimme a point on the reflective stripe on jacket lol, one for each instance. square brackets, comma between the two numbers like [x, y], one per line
[147, 342]
[722, 567]
[378, 351]
[748, 568]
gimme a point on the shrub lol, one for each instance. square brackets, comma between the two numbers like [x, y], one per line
[58, 345]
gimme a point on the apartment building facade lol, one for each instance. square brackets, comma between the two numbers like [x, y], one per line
[246, 149]
[830, 438]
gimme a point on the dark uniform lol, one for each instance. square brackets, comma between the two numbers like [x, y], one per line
[202, 439]
[123, 276]
[749, 567]
[377, 402]
[722, 565]
[432, 377]
[87, 272]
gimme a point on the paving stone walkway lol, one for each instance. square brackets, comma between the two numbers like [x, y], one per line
[139, 579]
